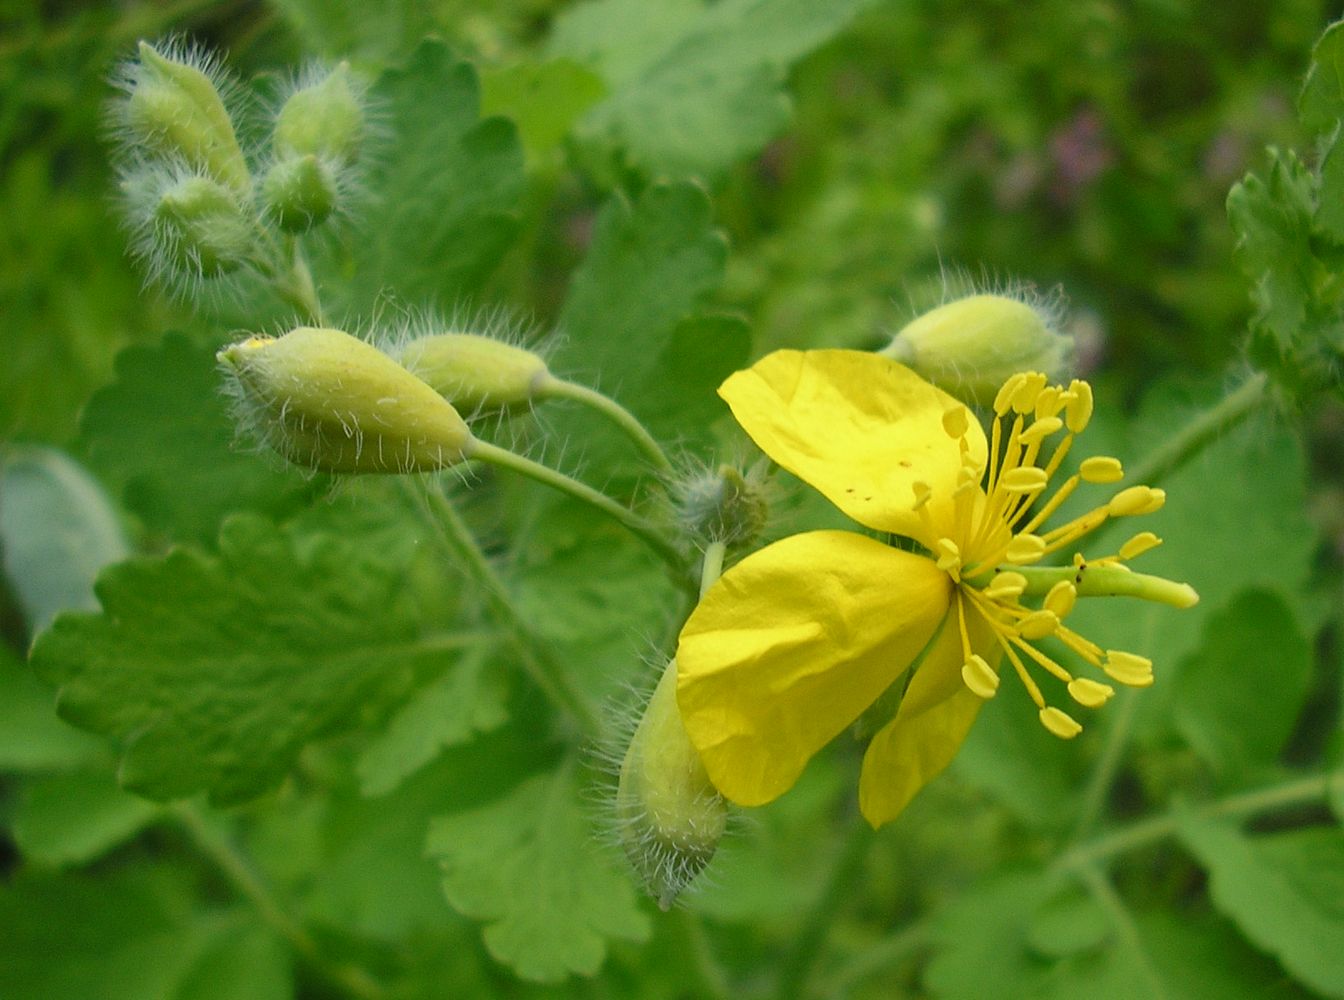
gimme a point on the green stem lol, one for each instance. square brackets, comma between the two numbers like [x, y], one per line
[845, 872]
[1109, 580]
[711, 566]
[1158, 828]
[537, 662]
[351, 980]
[1112, 754]
[297, 286]
[1206, 425]
[713, 982]
[643, 529]
[1101, 890]
[556, 388]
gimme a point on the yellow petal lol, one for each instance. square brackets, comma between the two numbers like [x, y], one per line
[860, 428]
[791, 645]
[930, 726]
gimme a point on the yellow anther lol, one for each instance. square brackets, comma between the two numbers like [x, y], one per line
[955, 422]
[1079, 410]
[1061, 598]
[1024, 479]
[1135, 500]
[922, 493]
[1025, 549]
[1003, 402]
[1101, 469]
[1128, 668]
[968, 478]
[1041, 429]
[1059, 723]
[1048, 402]
[1006, 584]
[949, 556]
[1139, 544]
[977, 675]
[1024, 400]
[1038, 624]
[1090, 693]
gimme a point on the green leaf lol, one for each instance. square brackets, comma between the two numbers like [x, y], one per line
[215, 671]
[1067, 923]
[1239, 695]
[161, 436]
[1321, 103]
[69, 819]
[57, 530]
[544, 99]
[528, 866]
[375, 30]
[1285, 891]
[447, 192]
[695, 87]
[244, 961]
[32, 738]
[468, 699]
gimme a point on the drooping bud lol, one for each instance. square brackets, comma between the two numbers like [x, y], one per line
[971, 345]
[300, 192]
[670, 816]
[173, 109]
[476, 373]
[329, 401]
[722, 505]
[323, 119]
[201, 227]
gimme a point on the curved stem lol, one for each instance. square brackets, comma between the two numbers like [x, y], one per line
[352, 980]
[1158, 828]
[537, 662]
[645, 530]
[1178, 449]
[556, 388]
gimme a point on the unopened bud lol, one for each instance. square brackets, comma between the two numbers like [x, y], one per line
[331, 402]
[202, 227]
[721, 506]
[300, 192]
[972, 345]
[671, 817]
[474, 372]
[174, 110]
[324, 119]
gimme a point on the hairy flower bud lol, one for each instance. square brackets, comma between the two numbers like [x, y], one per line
[476, 373]
[300, 192]
[671, 817]
[722, 505]
[173, 109]
[329, 401]
[201, 227]
[323, 119]
[971, 345]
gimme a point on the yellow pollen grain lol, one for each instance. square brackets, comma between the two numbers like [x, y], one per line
[1090, 693]
[1079, 409]
[1038, 624]
[1101, 469]
[979, 678]
[1129, 669]
[1139, 544]
[1025, 549]
[1059, 723]
[1061, 598]
[1006, 584]
[1131, 501]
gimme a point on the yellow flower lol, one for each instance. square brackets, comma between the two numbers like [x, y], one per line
[797, 640]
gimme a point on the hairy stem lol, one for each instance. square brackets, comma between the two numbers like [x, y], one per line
[643, 529]
[538, 663]
[351, 980]
[556, 388]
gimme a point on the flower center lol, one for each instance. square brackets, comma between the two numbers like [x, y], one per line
[995, 540]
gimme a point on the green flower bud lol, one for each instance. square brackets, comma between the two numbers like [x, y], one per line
[476, 373]
[670, 816]
[300, 192]
[972, 345]
[324, 119]
[329, 401]
[721, 506]
[202, 228]
[174, 110]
